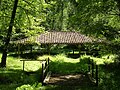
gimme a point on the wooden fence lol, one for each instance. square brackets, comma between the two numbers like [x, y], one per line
[93, 71]
[45, 68]
[45, 71]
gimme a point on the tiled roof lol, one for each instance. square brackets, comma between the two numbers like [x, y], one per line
[61, 37]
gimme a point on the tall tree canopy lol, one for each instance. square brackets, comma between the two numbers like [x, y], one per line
[94, 17]
[18, 23]
[99, 18]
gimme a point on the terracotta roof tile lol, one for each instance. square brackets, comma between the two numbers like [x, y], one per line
[61, 37]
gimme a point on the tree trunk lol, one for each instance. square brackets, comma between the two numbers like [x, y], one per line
[61, 15]
[0, 2]
[118, 5]
[4, 56]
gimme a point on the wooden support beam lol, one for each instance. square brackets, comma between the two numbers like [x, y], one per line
[48, 63]
[96, 75]
[42, 74]
[89, 64]
[73, 51]
[23, 65]
[45, 71]
[92, 69]
[47, 78]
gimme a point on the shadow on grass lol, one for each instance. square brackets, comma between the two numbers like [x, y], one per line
[16, 78]
[74, 56]
[109, 76]
[31, 55]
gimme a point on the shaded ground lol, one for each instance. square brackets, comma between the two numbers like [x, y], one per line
[70, 80]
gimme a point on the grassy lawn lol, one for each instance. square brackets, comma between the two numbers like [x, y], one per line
[13, 78]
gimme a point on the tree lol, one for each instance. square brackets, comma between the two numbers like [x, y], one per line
[26, 22]
[98, 18]
[4, 56]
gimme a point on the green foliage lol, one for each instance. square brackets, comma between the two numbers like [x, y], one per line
[15, 79]
[27, 19]
[64, 65]
[25, 87]
[35, 86]
[98, 18]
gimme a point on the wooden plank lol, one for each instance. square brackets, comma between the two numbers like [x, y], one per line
[45, 69]
[89, 65]
[23, 65]
[47, 78]
[31, 60]
[42, 73]
[91, 78]
[96, 75]
[92, 69]
[48, 63]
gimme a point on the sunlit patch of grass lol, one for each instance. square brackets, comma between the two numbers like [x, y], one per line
[35, 86]
[75, 52]
[32, 66]
[44, 57]
[62, 64]
[101, 61]
[59, 57]
[62, 57]
[14, 63]
[109, 56]
[0, 55]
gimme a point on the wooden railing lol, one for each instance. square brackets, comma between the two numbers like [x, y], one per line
[45, 71]
[93, 71]
[45, 68]
[25, 60]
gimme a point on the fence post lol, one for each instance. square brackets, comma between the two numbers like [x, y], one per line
[48, 63]
[45, 63]
[23, 65]
[96, 75]
[89, 64]
[92, 69]
[42, 73]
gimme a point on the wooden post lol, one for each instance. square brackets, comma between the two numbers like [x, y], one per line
[21, 50]
[79, 46]
[42, 73]
[73, 51]
[92, 69]
[89, 64]
[96, 75]
[23, 65]
[45, 63]
[48, 63]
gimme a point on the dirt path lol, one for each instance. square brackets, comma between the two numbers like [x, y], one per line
[69, 80]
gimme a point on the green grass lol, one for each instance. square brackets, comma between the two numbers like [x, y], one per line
[101, 61]
[13, 78]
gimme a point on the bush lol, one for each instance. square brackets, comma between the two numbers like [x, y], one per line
[35, 86]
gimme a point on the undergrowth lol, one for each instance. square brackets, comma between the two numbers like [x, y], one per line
[13, 78]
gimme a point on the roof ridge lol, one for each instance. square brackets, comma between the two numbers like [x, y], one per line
[62, 31]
